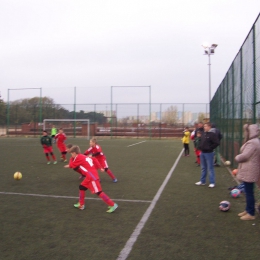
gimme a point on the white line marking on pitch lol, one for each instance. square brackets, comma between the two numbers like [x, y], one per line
[66, 197]
[129, 244]
[136, 143]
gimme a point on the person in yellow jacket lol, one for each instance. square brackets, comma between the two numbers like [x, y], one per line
[186, 141]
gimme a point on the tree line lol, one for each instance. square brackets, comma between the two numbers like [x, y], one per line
[37, 109]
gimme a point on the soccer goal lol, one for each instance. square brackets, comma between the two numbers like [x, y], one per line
[71, 127]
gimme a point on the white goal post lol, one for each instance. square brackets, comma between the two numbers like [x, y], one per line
[70, 126]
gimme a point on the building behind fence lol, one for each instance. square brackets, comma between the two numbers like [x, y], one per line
[237, 99]
[135, 120]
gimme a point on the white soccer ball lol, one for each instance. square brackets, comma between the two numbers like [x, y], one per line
[227, 163]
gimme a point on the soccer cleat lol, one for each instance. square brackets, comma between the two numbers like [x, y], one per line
[81, 177]
[115, 180]
[199, 183]
[65, 160]
[55, 162]
[211, 185]
[112, 208]
[48, 162]
[81, 207]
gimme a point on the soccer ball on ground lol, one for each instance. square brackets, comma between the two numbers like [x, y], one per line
[234, 172]
[18, 176]
[224, 205]
[227, 163]
[235, 193]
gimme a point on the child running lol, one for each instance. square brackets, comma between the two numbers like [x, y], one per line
[91, 181]
[95, 150]
[60, 140]
[78, 170]
[46, 143]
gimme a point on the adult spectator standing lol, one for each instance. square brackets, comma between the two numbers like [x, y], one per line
[217, 161]
[208, 143]
[200, 128]
[249, 168]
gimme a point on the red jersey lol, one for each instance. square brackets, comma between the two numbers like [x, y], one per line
[96, 149]
[88, 166]
[60, 137]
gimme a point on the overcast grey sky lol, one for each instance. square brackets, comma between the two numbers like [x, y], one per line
[95, 44]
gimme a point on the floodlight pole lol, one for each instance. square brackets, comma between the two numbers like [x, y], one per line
[8, 113]
[209, 50]
[209, 80]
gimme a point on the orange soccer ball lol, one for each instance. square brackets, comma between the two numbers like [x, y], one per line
[234, 172]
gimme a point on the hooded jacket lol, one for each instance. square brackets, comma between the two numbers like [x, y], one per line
[209, 141]
[249, 157]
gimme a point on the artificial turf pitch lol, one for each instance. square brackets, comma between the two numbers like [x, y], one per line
[38, 220]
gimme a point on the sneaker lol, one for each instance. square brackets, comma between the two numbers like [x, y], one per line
[211, 185]
[199, 183]
[112, 208]
[242, 214]
[247, 217]
[48, 162]
[81, 207]
[55, 162]
[115, 180]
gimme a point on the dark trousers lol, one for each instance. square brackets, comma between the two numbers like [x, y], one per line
[250, 198]
[186, 149]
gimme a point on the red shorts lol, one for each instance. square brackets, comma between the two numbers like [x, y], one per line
[47, 149]
[62, 147]
[197, 152]
[102, 162]
[93, 186]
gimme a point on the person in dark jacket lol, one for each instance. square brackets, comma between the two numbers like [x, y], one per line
[216, 151]
[209, 141]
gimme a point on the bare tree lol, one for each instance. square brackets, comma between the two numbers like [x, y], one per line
[170, 116]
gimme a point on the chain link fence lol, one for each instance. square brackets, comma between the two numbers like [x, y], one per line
[114, 120]
[237, 99]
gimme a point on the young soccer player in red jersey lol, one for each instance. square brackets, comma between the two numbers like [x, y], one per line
[95, 151]
[78, 170]
[60, 140]
[46, 142]
[91, 181]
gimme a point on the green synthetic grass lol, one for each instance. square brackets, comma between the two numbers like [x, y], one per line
[185, 223]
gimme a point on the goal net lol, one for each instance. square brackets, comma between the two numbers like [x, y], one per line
[71, 127]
